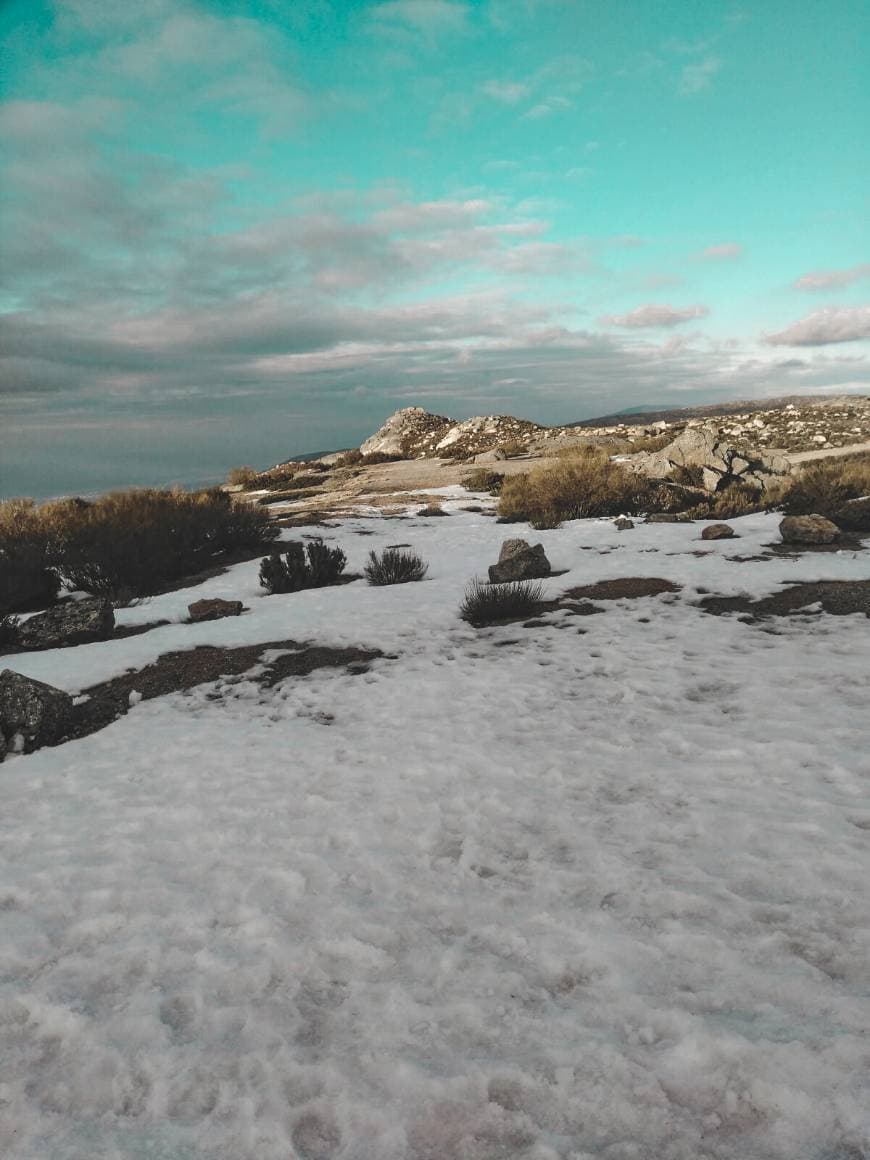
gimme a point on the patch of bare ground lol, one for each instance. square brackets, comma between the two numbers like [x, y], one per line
[626, 588]
[838, 597]
[176, 671]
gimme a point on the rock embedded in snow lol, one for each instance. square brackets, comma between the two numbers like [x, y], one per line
[813, 529]
[518, 560]
[74, 622]
[718, 532]
[38, 712]
[623, 524]
[213, 609]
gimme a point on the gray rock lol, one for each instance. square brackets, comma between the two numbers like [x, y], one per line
[812, 529]
[622, 523]
[214, 609]
[709, 449]
[718, 532]
[39, 712]
[518, 560]
[668, 518]
[76, 622]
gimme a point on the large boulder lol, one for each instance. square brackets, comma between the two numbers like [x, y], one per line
[719, 461]
[718, 532]
[213, 609]
[37, 713]
[75, 622]
[519, 560]
[812, 529]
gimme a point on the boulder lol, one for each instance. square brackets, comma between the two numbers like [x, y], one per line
[812, 529]
[519, 560]
[75, 622]
[668, 518]
[721, 463]
[38, 712]
[623, 524]
[718, 532]
[213, 609]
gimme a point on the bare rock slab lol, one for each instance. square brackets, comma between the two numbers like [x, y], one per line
[40, 714]
[77, 622]
[812, 529]
[519, 560]
[213, 609]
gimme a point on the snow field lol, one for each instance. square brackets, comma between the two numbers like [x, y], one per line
[536, 893]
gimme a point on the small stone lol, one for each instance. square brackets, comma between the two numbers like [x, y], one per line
[214, 609]
[38, 712]
[623, 523]
[718, 532]
[813, 529]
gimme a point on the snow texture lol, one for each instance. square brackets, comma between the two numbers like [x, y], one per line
[594, 889]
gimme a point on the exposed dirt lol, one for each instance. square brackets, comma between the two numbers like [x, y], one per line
[838, 597]
[629, 588]
[176, 671]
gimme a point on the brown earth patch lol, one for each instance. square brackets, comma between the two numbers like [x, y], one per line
[837, 597]
[627, 588]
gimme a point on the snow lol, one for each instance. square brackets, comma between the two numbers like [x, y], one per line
[596, 889]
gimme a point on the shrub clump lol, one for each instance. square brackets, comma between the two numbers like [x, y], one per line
[351, 458]
[394, 566]
[489, 603]
[483, 480]
[242, 476]
[27, 579]
[9, 626]
[838, 489]
[298, 566]
[583, 484]
[375, 457]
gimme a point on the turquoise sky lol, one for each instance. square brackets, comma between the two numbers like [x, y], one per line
[235, 231]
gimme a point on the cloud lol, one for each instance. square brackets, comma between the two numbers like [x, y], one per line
[725, 252]
[430, 17]
[832, 279]
[654, 314]
[824, 327]
[508, 92]
[697, 76]
[547, 107]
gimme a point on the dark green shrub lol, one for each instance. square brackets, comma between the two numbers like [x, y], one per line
[394, 566]
[483, 480]
[489, 603]
[27, 579]
[299, 566]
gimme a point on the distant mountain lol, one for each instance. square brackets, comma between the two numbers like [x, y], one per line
[652, 413]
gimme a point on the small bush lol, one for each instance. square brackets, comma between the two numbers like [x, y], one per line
[375, 457]
[489, 603]
[511, 448]
[8, 631]
[432, 509]
[831, 487]
[351, 458]
[244, 476]
[586, 483]
[299, 566]
[27, 579]
[394, 566]
[483, 480]
[653, 442]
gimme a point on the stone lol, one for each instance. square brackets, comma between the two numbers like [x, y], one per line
[74, 622]
[623, 523]
[813, 529]
[718, 532]
[708, 448]
[213, 609]
[519, 560]
[38, 712]
[668, 518]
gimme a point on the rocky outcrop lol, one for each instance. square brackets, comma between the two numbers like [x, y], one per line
[812, 529]
[32, 714]
[213, 609]
[718, 461]
[519, 560]
[406, 432]
[75, 622]
[417, 434]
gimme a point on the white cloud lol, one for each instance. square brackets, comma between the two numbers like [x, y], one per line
[508, 92]
[547, 107]
[430, 17]
[655, 314]
[697, 76]
[833, 279]
[823, 327]
[725, 252]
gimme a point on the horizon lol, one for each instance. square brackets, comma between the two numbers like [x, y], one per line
[237, 232]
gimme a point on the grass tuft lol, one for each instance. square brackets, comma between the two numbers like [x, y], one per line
[395, 566]
[490, 603]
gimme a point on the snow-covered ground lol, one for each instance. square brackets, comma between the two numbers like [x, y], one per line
[597, 889]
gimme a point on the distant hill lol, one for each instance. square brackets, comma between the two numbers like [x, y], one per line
[652, 413]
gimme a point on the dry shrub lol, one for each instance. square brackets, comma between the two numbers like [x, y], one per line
[375, 457]
[490, 603]
[27, 579]
[394, 566]
[483, 480]
[298, 566]
[141, 542]
[511, 448]
[586, 483]
[838, 488]
[653, 442]
[244, 476]
[351, 458]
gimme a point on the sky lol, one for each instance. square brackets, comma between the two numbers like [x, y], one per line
[232, 232]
